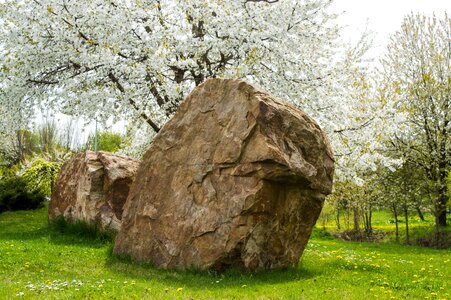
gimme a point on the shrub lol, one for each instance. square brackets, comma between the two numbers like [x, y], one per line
[427, 237]
[40, 175]
[106, 141]
[14, 195]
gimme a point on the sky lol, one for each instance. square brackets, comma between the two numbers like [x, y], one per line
[382, 17]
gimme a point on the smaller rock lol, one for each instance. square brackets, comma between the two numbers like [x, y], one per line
[93, 187]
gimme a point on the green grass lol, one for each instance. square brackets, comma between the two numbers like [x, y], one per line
[40, 262]
[381, 219]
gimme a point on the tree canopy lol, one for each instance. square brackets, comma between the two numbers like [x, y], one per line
[417, 69]
[139, 59]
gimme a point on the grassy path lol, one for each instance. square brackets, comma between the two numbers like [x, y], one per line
[37, 262]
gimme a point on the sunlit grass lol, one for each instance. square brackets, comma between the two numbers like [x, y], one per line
[383, 222]
[383, 219]
[38, 262]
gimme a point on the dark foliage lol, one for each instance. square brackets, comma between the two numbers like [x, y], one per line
[441, 240]
[14, 195]
[361, 236]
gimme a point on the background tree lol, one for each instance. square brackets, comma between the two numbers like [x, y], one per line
[418, 68]
[106, 141]
[69, 135]
[24, 143]
[403, 192]
[48, 135]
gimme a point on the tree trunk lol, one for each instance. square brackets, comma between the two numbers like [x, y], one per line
[420, 213]
[366, 221]
[437, 231]
[406, 215]
[368, 226]
[324, 221]
[442, 185]
[349, 218]
[356, 219]
[337, 218]
[395, 212]
[441, 208]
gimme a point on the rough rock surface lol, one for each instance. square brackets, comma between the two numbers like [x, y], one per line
[237, 178]
[93, 187]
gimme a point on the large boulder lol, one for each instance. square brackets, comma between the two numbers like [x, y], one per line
[237, 178]
[93, 187]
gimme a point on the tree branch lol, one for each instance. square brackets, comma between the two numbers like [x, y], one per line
[132, 102]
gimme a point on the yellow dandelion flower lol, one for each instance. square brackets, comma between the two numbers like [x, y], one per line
[179, 289]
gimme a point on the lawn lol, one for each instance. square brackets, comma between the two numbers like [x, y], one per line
[381, 219]
[38, 262]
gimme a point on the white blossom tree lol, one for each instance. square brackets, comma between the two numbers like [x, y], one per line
[417, 70]
[138, 59]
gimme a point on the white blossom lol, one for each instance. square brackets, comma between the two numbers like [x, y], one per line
[137, 60]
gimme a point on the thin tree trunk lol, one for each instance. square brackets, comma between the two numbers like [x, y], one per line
[441, 208]
[420, 213]
[395, 212]
[442, 184]
[325, 218]
[437, 227]
[365, 221]
[356, 219]
[349, 218]
[406, 214]
[368, 226]
[337, 218]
